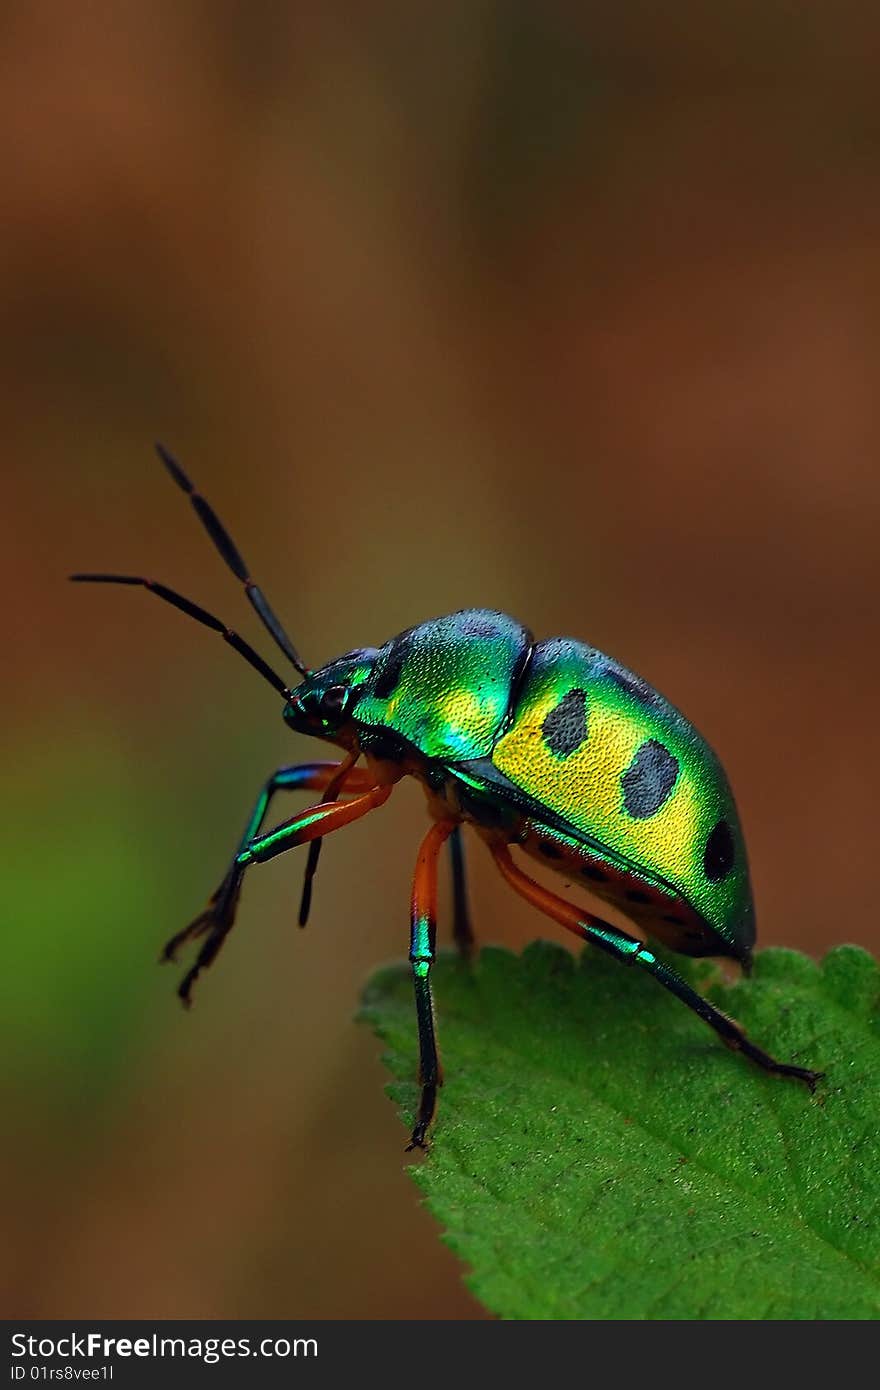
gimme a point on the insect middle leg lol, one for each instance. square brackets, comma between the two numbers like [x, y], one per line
[217, 920]
[462, 930]
[422, 950]
[631, 951]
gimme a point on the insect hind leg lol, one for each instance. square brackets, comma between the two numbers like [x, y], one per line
[627, 949]
[631, 951]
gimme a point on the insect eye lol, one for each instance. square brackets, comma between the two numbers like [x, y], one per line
[333, 700]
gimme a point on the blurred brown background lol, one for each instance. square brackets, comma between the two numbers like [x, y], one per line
[567, 310]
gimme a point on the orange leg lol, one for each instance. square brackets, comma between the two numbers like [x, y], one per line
[310, 824]
[630, 951]
[330, 778]
[423, 938]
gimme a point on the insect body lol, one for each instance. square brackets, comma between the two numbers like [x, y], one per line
[550, 746]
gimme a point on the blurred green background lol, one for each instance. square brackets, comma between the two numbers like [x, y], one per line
[567, 310]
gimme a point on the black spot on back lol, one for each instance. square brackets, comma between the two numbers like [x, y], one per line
[388, 675]
[633, 685]
[720, 852]
[597, 875]
[548, 848]
[648, 781]
[565, 727]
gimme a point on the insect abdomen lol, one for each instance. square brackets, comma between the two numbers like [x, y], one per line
[605, 752]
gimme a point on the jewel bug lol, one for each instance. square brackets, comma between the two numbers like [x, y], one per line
[550, 746]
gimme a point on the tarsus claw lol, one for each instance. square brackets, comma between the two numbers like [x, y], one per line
[214, 923]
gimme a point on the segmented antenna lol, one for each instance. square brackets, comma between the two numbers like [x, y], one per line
[233, 558]
[201, 615]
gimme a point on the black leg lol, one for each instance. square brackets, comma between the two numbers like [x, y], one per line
[331, 792]
[318, 820]
[627, 949]
[462, 930]
[217, 920]
[630, 951]
[429, 1066]
[423, 938]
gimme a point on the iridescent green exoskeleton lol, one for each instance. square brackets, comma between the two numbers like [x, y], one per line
[550, 746]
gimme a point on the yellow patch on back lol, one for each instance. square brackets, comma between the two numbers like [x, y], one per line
[585, 786]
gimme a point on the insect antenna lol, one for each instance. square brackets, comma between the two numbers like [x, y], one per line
[233, 558]
[201, 615]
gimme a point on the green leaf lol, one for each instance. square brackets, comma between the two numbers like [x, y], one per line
[599, 1154]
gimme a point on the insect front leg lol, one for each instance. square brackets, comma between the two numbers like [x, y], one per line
[631, 951]
[422, 949]
[217, 920]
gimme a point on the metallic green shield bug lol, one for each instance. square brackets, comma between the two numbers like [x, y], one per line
[549, 746]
